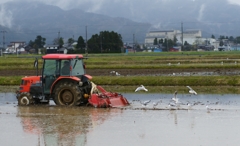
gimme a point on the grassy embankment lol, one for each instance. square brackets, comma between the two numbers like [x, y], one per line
[188, 60]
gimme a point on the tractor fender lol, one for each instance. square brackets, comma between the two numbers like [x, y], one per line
[63, 78]
[88, 76]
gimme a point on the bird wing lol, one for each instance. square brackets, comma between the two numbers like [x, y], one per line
[189, 87]
[146, 102]
[175, 94]
[138, 88]
[195, 92]
[172, 104]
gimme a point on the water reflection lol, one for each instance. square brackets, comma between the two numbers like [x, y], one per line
[133, 125]
[60, 125]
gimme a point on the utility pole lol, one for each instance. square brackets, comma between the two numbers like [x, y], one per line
[86, 51]
[133, 42]
[3, 31]
[167, 40]
[101, 40]
[182, 35]
[58, 34]
[58, 38]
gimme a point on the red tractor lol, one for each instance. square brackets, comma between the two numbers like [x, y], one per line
[64, 81]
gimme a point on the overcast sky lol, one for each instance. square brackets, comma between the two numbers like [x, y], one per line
[96, 5]
[131, 9]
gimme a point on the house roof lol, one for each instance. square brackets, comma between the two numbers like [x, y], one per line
[18, 42]
[161, 31]
[51, 45]
[61, 49]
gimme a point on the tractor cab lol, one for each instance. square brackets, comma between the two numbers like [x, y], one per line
[54, 70]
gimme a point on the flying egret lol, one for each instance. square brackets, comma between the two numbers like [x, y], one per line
[191, 91]
[155, 104]
[141, 88]
[145, 103]
[175, 99]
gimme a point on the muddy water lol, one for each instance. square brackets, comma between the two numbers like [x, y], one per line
[133, 125]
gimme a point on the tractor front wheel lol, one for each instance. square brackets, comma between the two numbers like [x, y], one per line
[67, 94]
[25, 99]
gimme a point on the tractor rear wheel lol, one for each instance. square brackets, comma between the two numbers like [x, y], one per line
[25, 99]
[67, 94]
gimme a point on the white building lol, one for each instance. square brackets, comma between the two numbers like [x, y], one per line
[191, 36]
[15, 47]
[164, 34]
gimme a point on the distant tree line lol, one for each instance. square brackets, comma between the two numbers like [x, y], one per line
[235, 40]
[104, 42]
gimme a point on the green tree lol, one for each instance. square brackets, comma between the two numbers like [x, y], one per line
[213, 37]
[160, 41]
[70, 41]
[39, 42]
[155, 42]
[175, 40]
[186, 43]
[31, 43]
[60, 42]
[221, 43]
[221, 37]
[231, 38]
[105, 41]
[237, 40]
[80, 43]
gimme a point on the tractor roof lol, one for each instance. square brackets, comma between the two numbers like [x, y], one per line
[62, 56]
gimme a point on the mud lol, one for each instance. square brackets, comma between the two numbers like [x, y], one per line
[135, 72]
[51, 125]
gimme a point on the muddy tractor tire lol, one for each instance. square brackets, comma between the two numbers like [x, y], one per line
[67, 94]
[25, 99]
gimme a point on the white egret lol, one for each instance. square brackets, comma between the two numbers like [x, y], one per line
[145, 103]
[155, 104]
[175, 99]
[191, 91]
[141, 88]
[117, 74]
[208, 108]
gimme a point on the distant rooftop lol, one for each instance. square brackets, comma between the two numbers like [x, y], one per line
[161, 31]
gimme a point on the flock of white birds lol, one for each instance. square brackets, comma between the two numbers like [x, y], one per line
[175, 102]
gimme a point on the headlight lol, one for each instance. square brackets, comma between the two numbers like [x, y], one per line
[80, 83]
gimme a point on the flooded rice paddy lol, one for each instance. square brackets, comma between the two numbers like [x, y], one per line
[50, 125]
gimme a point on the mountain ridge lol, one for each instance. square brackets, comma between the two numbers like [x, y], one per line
[25, 20]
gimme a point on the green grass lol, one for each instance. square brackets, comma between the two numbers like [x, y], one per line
[149, 80]
[188, 60]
